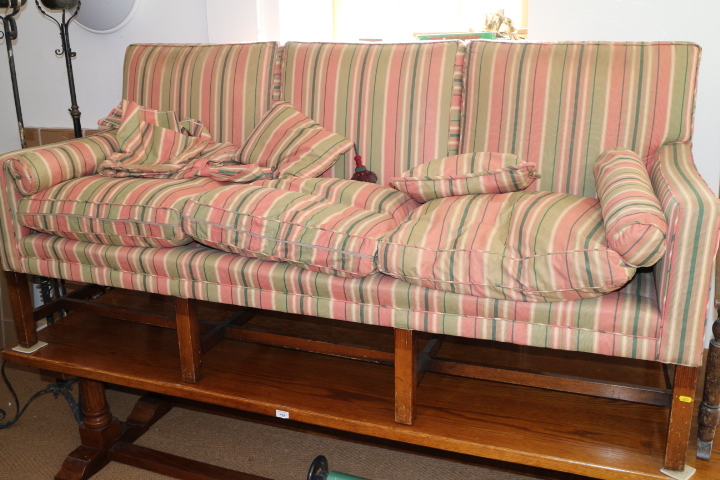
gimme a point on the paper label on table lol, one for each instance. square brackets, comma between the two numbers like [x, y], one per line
[282, 414]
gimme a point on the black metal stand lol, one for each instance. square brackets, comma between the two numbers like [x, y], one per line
[69, 55]
[10, 34]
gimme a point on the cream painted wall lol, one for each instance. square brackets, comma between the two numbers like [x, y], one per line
[43, 84]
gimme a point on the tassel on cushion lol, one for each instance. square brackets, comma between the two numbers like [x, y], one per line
[362, 174]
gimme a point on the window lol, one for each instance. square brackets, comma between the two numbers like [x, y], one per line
[388, 20]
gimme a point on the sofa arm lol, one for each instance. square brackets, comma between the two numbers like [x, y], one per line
[29, 171]
[35, 169]
[683, 276]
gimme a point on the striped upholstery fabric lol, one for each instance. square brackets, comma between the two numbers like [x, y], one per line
[561, 105]
[139, 212]
[303, 229]
[622, 323]
[38, 168]
[466, 174]
[291, 144]
[150, 137]
[635, 224]
[398, 103]
[522, 246]
[683, 275]
[367, 196]
[226, 87]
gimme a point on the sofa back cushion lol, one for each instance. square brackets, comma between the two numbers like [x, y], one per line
[560, 105]
[399, 103]
[226, 87]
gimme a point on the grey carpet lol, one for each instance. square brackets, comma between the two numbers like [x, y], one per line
[36, 446]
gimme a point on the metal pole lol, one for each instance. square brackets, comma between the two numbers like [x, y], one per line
[10, 29]
[74, 109]
[67, 51]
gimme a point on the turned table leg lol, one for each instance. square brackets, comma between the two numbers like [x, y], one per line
[99, 431]
[21, 303]
[709, 414]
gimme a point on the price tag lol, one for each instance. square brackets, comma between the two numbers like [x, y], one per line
[282, 414]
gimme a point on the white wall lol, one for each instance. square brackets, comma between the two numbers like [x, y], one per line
[692, 20]
[235, 21]
[97, 68]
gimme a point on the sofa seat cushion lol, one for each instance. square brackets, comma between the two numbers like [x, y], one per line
[305, 229]
[523, 246]
[115, 211]
[368, 196]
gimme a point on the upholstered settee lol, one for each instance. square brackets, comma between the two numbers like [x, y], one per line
[531, 267]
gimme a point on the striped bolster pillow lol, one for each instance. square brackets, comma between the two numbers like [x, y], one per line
[36, 169]
[635, 224]
[466, 174]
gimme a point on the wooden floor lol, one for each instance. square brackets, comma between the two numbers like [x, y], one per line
[595, 437]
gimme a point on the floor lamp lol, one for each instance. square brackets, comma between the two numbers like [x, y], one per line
[10, 34]
[66, 6]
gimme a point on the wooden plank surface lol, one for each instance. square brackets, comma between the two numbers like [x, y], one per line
[597, 437]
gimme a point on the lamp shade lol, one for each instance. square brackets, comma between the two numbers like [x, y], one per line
[106, 16]
[12, 3]
[59, 4]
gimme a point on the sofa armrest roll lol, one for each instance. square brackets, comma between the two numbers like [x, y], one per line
[683, 275]
[35, 169]
[25, 172]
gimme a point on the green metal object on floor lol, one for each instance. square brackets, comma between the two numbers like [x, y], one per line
[319, 470]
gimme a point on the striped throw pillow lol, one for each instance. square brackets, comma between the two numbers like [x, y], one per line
[634, 220]
[466, 174]
[292, 144]
[526, 246]
[150, 137]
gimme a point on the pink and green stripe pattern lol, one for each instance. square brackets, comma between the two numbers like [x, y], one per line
[683, 275]
[226, 87]
[292, 144]
[38, 168]
[560, 105]
[635, 224]
[139, 212]
[466, 174]
[622, 323]
[521, 246]
[398, 103]
[283, 226]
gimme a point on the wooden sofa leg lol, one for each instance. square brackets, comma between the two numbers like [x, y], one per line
[99, 431]
[709, 414]
[188, 331]
[405, 376]
[21, 303]
[681, 412]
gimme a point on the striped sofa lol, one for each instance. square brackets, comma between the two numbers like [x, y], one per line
[557, 105]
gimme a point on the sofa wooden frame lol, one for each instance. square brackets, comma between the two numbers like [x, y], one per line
[105, 439]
